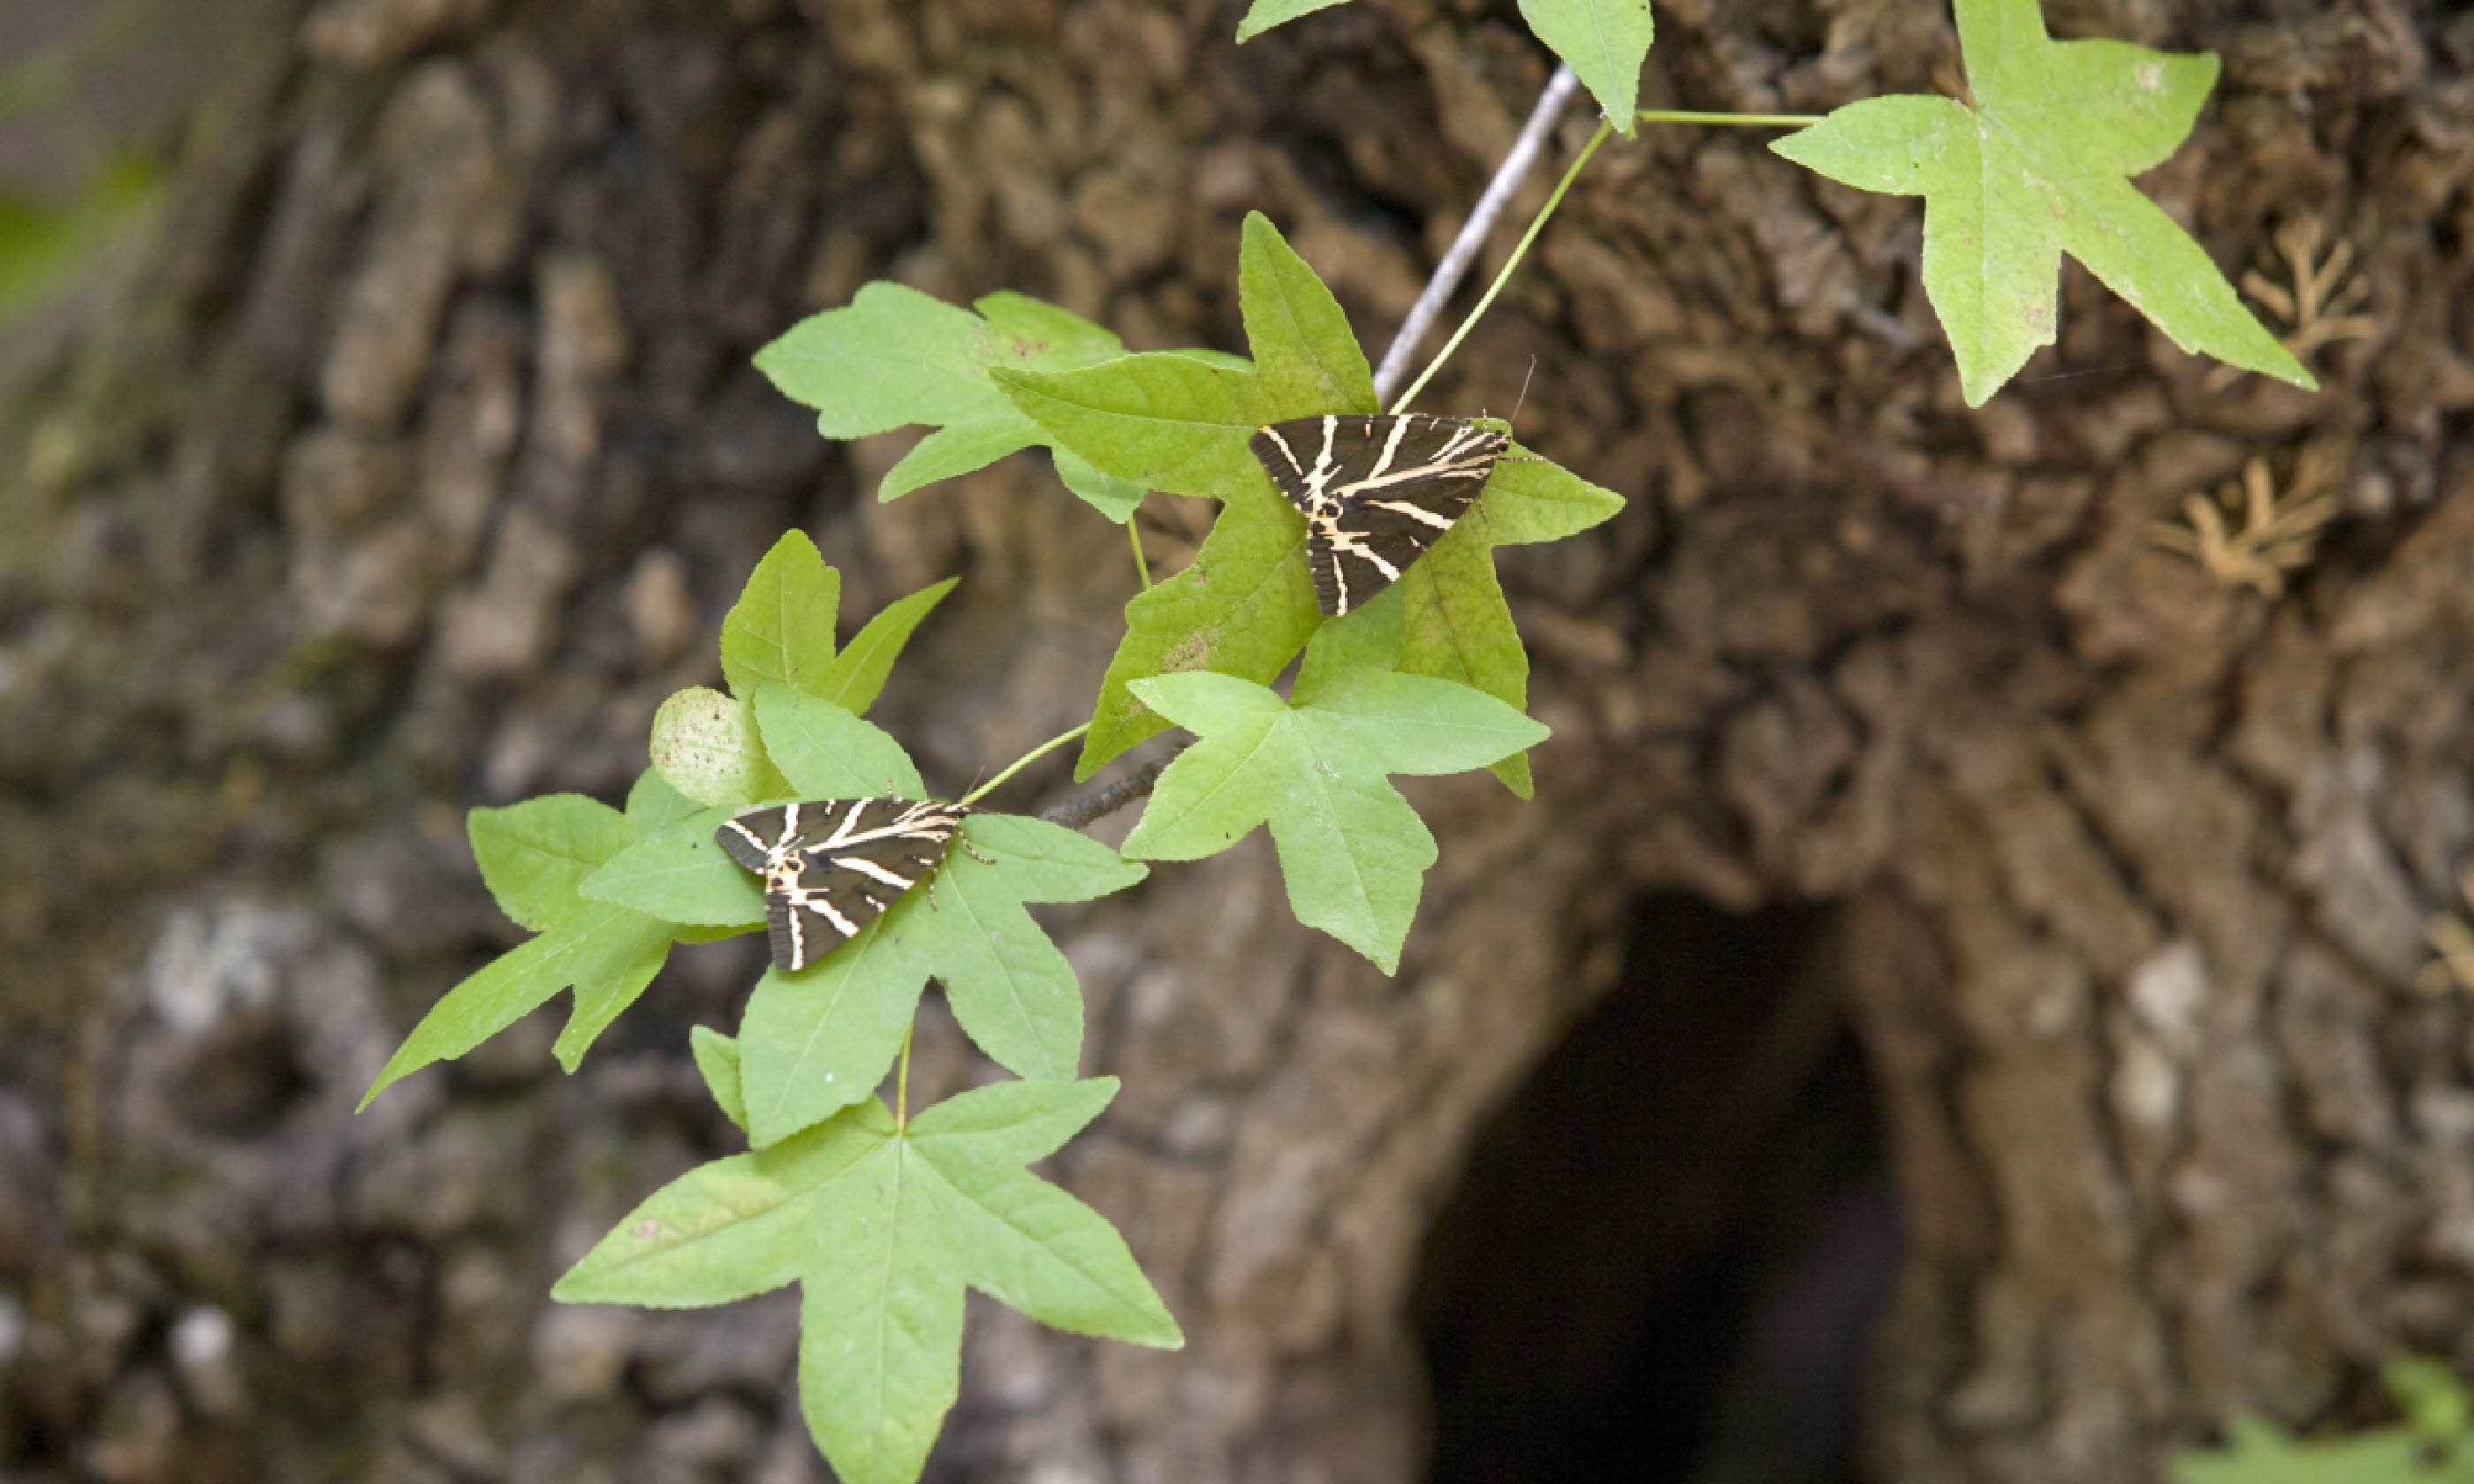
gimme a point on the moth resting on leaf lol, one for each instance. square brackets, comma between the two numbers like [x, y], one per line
[1376, 491]
[832, 866]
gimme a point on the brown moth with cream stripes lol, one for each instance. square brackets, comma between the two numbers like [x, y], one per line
[1376, 491]
[832, 866]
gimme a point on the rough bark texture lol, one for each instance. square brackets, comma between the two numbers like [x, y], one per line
[418, 462]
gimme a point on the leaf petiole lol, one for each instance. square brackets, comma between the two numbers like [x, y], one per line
[1142, 566]
[1519, 250]
[1026, 758]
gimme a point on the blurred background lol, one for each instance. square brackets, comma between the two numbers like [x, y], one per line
[1958, 1008]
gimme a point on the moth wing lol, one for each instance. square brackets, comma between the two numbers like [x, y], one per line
[749, 838]
[1322, 562]
[1278, 447]
[781, 935]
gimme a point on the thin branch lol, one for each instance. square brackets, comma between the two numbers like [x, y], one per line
[1497, 195]
[1079, 813]
[1503, 274]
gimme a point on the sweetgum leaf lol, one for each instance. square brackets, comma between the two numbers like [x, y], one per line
[819, 1039]
[606, 951]
[534, 854]
[717, 1059]
[1351, 849]
[1604, 41]
[1245, 606]
[681, 873]
[782, 627]
[826, 753]
[1263, 14]
[896, 356]
[857, 675]
[883, 1226]
[653, 803]
[2036, 168]
[811, 1044]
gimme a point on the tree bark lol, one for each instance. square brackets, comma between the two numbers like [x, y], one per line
[418, 457]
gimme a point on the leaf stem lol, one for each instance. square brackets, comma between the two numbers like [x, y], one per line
[1519, 250]
[1687, 116]
[1491, 201]
[1142, 566]
[1024, 761]
[902, 1081]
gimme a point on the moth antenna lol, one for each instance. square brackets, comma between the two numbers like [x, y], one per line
[1524, 389]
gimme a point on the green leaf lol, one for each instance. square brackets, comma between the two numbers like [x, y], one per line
[1351, 848]
[2429, 1394]
[608, 953]
[1040, 333]
[857, 676]
[2433, 1447]
[883, 1226]
[652, 804]
[1457, 626]
[1106, 494]
[895, 356]
[717, 1058]
[1160, 420]
[1245, 606]
[782, 627]
[1011, 990]
[1264, 14]
[814, 1043]
[819, 1039]
[705, 745]
[1304, 355]
[538, 857]
[682, 874]
[2036, 168]
[2257, 1451]
[534, 854]
[955, 449]
[826, 753]
[1530, 499]
[1604, 42]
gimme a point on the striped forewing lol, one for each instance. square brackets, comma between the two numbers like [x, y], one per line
[1376, 491]
[831, 865]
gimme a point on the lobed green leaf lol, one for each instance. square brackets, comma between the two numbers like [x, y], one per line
[895, 356]
[782, 627]
[608, 953]
[534, 854]
[814, 1043]
[1244, 607]
[826, 753]
[857, 675]
[682, 874]
[1604, 42]
[2034, 169]
[1351, 849]
[717, 1059]
[1263, 14]
[883, 1226]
